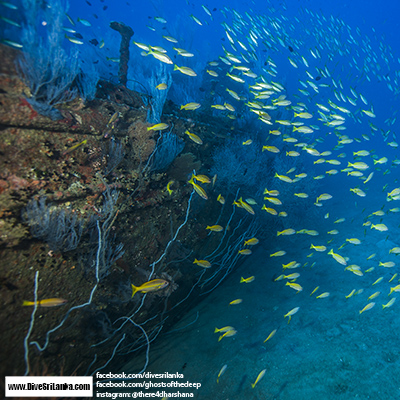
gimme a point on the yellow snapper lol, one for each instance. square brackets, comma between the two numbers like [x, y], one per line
[150, 286]
[247, 280]
[202, 263]
[259, 377]
[278, 253]
[337, 257]
[367, 307]
[53, 302]
[194, 137]
[215, 228]
[271, 335]
[251, 242]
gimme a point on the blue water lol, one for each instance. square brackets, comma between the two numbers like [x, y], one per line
[329, 350]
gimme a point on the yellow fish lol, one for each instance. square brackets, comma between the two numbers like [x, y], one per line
[194, 137]
[355, 269]
[246, 206]
[223, 369]
[191, 106]
[247, 280]
[169, 190]
[271, 192]
[202, 263]
[224, 329]
[382, 160]
[251, 242]
[212, 73]
[323, 295]
[387, 305]
[202, 178]
[230, 333]
[304, 115]
[271, 335]
[377, 281]
[162, 86]
[234, 302]
[373, 296]
[245, 252]
[72, 148]
[314, 290]
[199, 190]
[351, 294]
[278, 253]
[273, 200]
[150, 286]
[259, 377]
[291, 312]
[215, 228]
[186, 71]
[340, 220]
[337, 257]
[388, 264]
[294, 286]
[394, 289]
[283, 178]
[367, 307]
[379, 227]
[353, 241]
[369, 177]
[54, 302]
[318, 248]
[291, 265]
[358, 165]
[158, 127]
[269, 210]
[358, 192]
[291, 276]
[311, 232]
[220, 199]
[324, 196]
[286, 232]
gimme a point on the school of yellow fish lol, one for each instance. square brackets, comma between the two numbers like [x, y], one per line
[309, 130]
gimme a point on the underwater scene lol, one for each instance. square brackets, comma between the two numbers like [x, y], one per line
[201, 199]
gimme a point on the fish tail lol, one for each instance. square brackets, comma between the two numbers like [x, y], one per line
[27, 303]
[134, 289]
